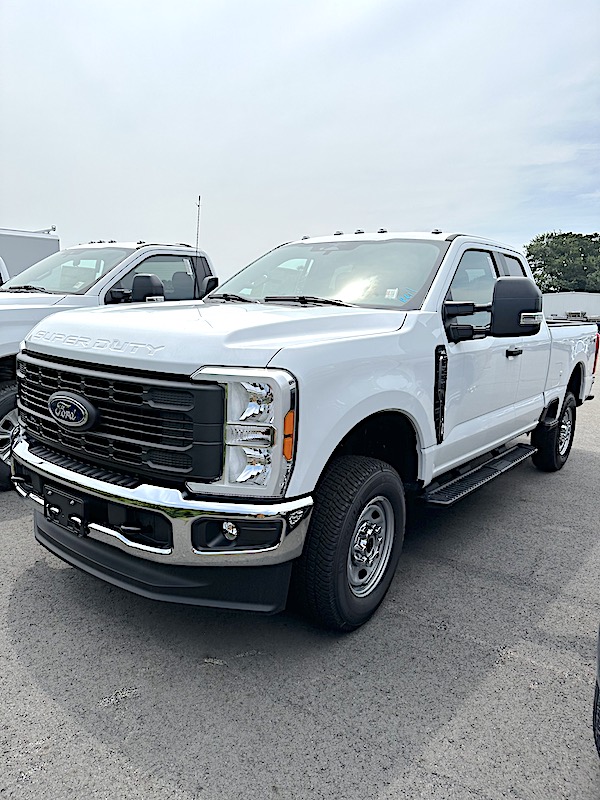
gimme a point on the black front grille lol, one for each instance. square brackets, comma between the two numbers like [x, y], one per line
[147, 426]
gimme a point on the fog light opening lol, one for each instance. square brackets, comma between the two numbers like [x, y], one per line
[230, 531]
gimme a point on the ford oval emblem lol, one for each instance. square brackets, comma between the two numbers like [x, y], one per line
[72, 411]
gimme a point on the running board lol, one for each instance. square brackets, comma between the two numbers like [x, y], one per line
[455, 489]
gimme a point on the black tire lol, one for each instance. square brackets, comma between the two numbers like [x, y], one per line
[554, 444]
[8, 404]
[596, 718]
[353, 543]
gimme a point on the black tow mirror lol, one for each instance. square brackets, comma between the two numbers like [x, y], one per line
[118, 296]
[147, 288]
[208, 285]
[454, 308]
[516, 308]
[461, 333]
[458, 332]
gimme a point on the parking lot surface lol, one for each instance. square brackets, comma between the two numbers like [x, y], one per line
[474, 680]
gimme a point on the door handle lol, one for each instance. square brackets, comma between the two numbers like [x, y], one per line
[514, 351]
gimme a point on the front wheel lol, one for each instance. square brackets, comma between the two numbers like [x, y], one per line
[353, 544]
[8, 423]
[554, 444]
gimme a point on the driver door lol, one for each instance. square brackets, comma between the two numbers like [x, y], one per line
[176, 273]
[482, 376]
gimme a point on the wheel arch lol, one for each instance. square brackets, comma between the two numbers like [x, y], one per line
[576, 383]
[389, 436]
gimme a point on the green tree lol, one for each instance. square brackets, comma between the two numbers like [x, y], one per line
[565, 262]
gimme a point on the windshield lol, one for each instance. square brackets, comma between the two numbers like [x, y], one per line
[391, 273]
[70, 271]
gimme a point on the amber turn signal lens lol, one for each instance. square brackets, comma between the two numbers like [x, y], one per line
[288, 435]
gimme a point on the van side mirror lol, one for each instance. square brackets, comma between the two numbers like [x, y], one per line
[208, 284]
[147, 288]
[516, 307]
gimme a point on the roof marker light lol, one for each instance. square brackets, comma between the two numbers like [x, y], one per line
[358, 230]
[382, 230]
[339, 233]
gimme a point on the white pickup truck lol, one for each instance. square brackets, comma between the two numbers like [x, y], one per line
[86, 276]
[257, 446]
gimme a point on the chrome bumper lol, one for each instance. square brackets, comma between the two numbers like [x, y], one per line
[181, 513]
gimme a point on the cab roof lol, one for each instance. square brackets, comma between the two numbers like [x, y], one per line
[381, 234]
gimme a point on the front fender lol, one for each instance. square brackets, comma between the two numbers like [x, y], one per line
[340, 386]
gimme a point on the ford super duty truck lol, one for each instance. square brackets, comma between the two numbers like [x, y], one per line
[259, 445]
[89, 275]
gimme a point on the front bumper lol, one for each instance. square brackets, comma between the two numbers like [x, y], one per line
[262, 589]
[32, 472]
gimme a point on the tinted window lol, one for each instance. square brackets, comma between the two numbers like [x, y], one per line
[514, 266]
[474, 282]
[175, 272]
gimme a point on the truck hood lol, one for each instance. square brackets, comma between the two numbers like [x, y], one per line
[182, 337]
[19, 312]
[30, 299]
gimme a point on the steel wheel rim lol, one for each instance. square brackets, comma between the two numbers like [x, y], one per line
[7, 425]
[565, 431]
[370, 546]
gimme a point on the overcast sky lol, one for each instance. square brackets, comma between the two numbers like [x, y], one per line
[479, 116]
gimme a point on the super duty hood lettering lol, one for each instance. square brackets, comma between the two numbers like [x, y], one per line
[87, 343]
[180, 337]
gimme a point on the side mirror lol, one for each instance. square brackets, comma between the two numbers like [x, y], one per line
[118, 296]
[147, 288]
[461, 333]
[208, 285]
[457, 309]
[516, 308]
[458, 332]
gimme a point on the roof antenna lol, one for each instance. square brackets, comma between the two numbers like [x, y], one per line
[198, 221]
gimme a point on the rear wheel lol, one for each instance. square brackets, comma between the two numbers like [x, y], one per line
[8, 423]
[554, 444]
[353, 545]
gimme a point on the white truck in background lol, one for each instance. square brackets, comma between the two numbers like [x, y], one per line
[572, 305]
[21, 249]
[259, 444]
[85, 276]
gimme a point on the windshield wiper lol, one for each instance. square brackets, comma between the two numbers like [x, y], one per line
[306, 300]
[28, 287]
[235, 298]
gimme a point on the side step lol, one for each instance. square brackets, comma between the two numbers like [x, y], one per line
[455, 489]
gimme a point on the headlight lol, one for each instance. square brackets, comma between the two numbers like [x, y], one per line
[260, 430]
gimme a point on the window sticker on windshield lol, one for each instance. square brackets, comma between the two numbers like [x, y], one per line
[391, 294]
[408, 293]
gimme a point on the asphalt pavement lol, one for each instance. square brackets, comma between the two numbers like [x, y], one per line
[474, 681]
